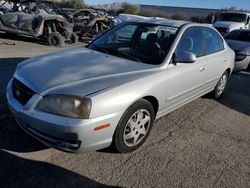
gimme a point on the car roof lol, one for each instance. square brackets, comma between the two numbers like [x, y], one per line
[236, 12]
[161, 21]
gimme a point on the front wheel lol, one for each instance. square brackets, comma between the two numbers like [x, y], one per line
[134, 127]
[221, 85]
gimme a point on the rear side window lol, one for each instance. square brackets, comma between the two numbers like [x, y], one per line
[212, 41]
[191, 41]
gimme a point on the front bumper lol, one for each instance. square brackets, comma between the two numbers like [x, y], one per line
[67, 134]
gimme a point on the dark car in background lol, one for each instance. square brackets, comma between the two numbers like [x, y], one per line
[239, 41]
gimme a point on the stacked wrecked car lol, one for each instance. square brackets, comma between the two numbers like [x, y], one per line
[31, 19]
[45, 21]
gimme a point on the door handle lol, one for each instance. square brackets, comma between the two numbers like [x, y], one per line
[202, 69]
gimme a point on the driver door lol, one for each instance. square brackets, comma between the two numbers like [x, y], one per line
[185, 81]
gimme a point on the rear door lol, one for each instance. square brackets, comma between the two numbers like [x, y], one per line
[215, 57]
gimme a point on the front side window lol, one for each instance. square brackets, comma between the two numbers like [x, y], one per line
[190, 42]
[146, 43]
[212, 41]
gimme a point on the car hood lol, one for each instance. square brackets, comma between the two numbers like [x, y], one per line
[79, 71]
[228, 24]
[238, 45]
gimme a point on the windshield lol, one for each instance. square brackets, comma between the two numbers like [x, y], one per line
[146, 43]
[232, 17]
[239, 35]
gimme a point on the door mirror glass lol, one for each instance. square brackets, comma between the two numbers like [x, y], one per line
[185, 57]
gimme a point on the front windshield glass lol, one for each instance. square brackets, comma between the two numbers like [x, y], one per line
[146, 43]
[239, 35]
[232, 17]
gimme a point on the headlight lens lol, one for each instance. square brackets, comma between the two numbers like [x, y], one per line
[65, 105]
[244, 52]
[241, 55]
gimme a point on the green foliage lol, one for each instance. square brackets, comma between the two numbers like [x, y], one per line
[179, 16]
[153, 13]
[128, 8]
[229, 9]
[77, 4]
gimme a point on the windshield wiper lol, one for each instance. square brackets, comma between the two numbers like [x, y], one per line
[123, 54]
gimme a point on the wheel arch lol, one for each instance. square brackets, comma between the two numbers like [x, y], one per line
[228, 70]
[153, 101]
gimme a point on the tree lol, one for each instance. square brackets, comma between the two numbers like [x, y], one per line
[128, 8]
[79, 4]
[229, 8]
[179, 16]
[153, 13]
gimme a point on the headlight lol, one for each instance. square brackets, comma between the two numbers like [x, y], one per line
[244, 52]
[65, 105]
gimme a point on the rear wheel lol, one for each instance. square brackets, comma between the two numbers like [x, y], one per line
[134, 127]
[221, 85]
[56, 39]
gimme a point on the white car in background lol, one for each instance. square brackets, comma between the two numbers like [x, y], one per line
[232, 20]
[110, 92]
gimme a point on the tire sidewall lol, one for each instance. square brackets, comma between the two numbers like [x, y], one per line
[58, 37]
[216, 95]
[118, 141]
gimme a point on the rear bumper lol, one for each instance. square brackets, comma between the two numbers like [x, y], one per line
[67, 134]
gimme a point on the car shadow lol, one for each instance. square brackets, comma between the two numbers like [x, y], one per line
[21, 38]
[13, 138]
[237, 93]
[7, 68]
[19, 172]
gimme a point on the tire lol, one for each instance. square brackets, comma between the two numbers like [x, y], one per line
[134, 127]
[221, 85]
[56, 39]
[74, 38]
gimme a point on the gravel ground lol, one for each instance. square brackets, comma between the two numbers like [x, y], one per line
[203, 144]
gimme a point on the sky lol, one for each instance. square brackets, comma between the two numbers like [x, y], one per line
[244, 4]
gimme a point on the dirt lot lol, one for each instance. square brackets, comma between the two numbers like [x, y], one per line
[203, 144]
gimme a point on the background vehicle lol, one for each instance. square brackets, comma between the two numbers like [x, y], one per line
[35, 22]
[229, 21]
[110, 92]
[89, 22]
[239, 41]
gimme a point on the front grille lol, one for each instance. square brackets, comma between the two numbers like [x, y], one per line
[221, 30]
[21, 92]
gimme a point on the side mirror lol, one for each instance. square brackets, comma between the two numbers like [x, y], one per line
[185, 57]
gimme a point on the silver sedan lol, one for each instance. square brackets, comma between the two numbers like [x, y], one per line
[109, 93]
